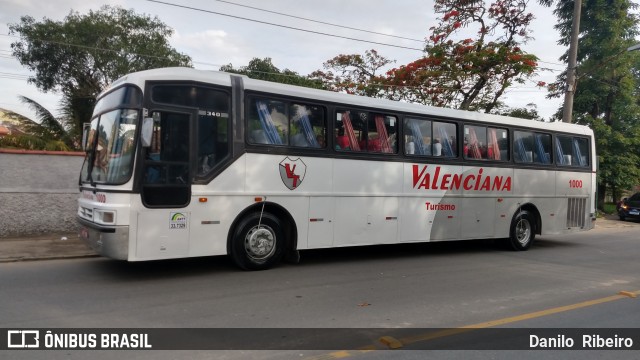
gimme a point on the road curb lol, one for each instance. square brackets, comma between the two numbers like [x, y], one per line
[42, 258]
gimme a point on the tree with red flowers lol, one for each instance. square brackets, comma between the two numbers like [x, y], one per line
[471, 57]
[354, 74]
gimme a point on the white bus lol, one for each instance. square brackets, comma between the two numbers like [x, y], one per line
[184, 163]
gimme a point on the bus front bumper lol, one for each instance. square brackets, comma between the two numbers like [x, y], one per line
[111, 242]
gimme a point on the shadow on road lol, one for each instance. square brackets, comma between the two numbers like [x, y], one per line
[206, 266]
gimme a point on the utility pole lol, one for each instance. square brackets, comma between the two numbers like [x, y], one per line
[567, 109]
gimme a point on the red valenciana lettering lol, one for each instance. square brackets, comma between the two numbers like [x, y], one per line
[417, 176]
[486, 185]
[444, 185]
[478, 179]
[497, 182]
[422, 179]
[469, 178]
[507, 184]
[457, 180]
[434, 185]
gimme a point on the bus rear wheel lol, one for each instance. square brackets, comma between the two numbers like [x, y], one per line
[523, 231]
[258, 243]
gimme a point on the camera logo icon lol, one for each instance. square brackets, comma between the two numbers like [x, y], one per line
[23, 339]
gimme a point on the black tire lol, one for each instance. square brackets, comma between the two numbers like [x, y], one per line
[258, 248]
[523, 231]
[622, 217]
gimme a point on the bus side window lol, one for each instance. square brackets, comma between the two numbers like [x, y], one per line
[581, 152]
[307, 126]
[498, 144]
[351, 131]
[417, 136]
[563, 149]
[475, 142]
[268, 123]
[542, 149]
[446, 144]
[213, 141]
[523, 147]
[381, 134]
[364, 131]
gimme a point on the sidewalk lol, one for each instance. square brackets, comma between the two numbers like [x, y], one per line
[43, 247]
[65, 246]
[612, 221]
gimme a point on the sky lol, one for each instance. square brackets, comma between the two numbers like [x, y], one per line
[212, 40]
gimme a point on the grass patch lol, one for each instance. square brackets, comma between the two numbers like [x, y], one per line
[609, 208]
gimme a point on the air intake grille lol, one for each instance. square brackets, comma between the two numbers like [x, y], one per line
[85, 213]
[576, 212]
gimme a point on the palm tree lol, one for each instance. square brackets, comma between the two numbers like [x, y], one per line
[47, 133]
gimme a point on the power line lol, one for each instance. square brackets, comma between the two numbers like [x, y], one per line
[318, 21]
[25, 77]
[522, 88]
[193, 61]
[108, 50]
[5, 73]
[13, 76]
[311, 31]
[551, 63]
[158, 57]
[283, 26]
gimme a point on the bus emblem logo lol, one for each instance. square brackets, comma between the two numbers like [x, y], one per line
[292, 172]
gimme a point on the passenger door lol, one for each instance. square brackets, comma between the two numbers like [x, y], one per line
[163, 228]
[167, 174]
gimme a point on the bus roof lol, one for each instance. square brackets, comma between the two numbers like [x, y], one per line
[224, 79]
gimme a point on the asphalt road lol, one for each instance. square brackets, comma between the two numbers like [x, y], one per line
[422, 286]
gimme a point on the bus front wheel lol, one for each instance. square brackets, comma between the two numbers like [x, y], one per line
[258, 242]
[523, 231]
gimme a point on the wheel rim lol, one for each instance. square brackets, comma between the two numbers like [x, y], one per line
[523, 231]
[260, 243]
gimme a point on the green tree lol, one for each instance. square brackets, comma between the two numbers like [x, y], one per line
[80, 56]
[529, 112]
[606, 96]
[47, 133]
[263, 69]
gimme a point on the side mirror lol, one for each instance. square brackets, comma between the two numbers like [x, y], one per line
[147, 131]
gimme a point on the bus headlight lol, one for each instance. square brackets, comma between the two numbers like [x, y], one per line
[106, 217]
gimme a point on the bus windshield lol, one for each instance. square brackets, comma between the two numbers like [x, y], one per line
[111, 140]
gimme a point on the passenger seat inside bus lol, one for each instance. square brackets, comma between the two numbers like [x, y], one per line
[374, 145]
[343, 142]
[258, 137]
[299, 140]
[566, 159]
